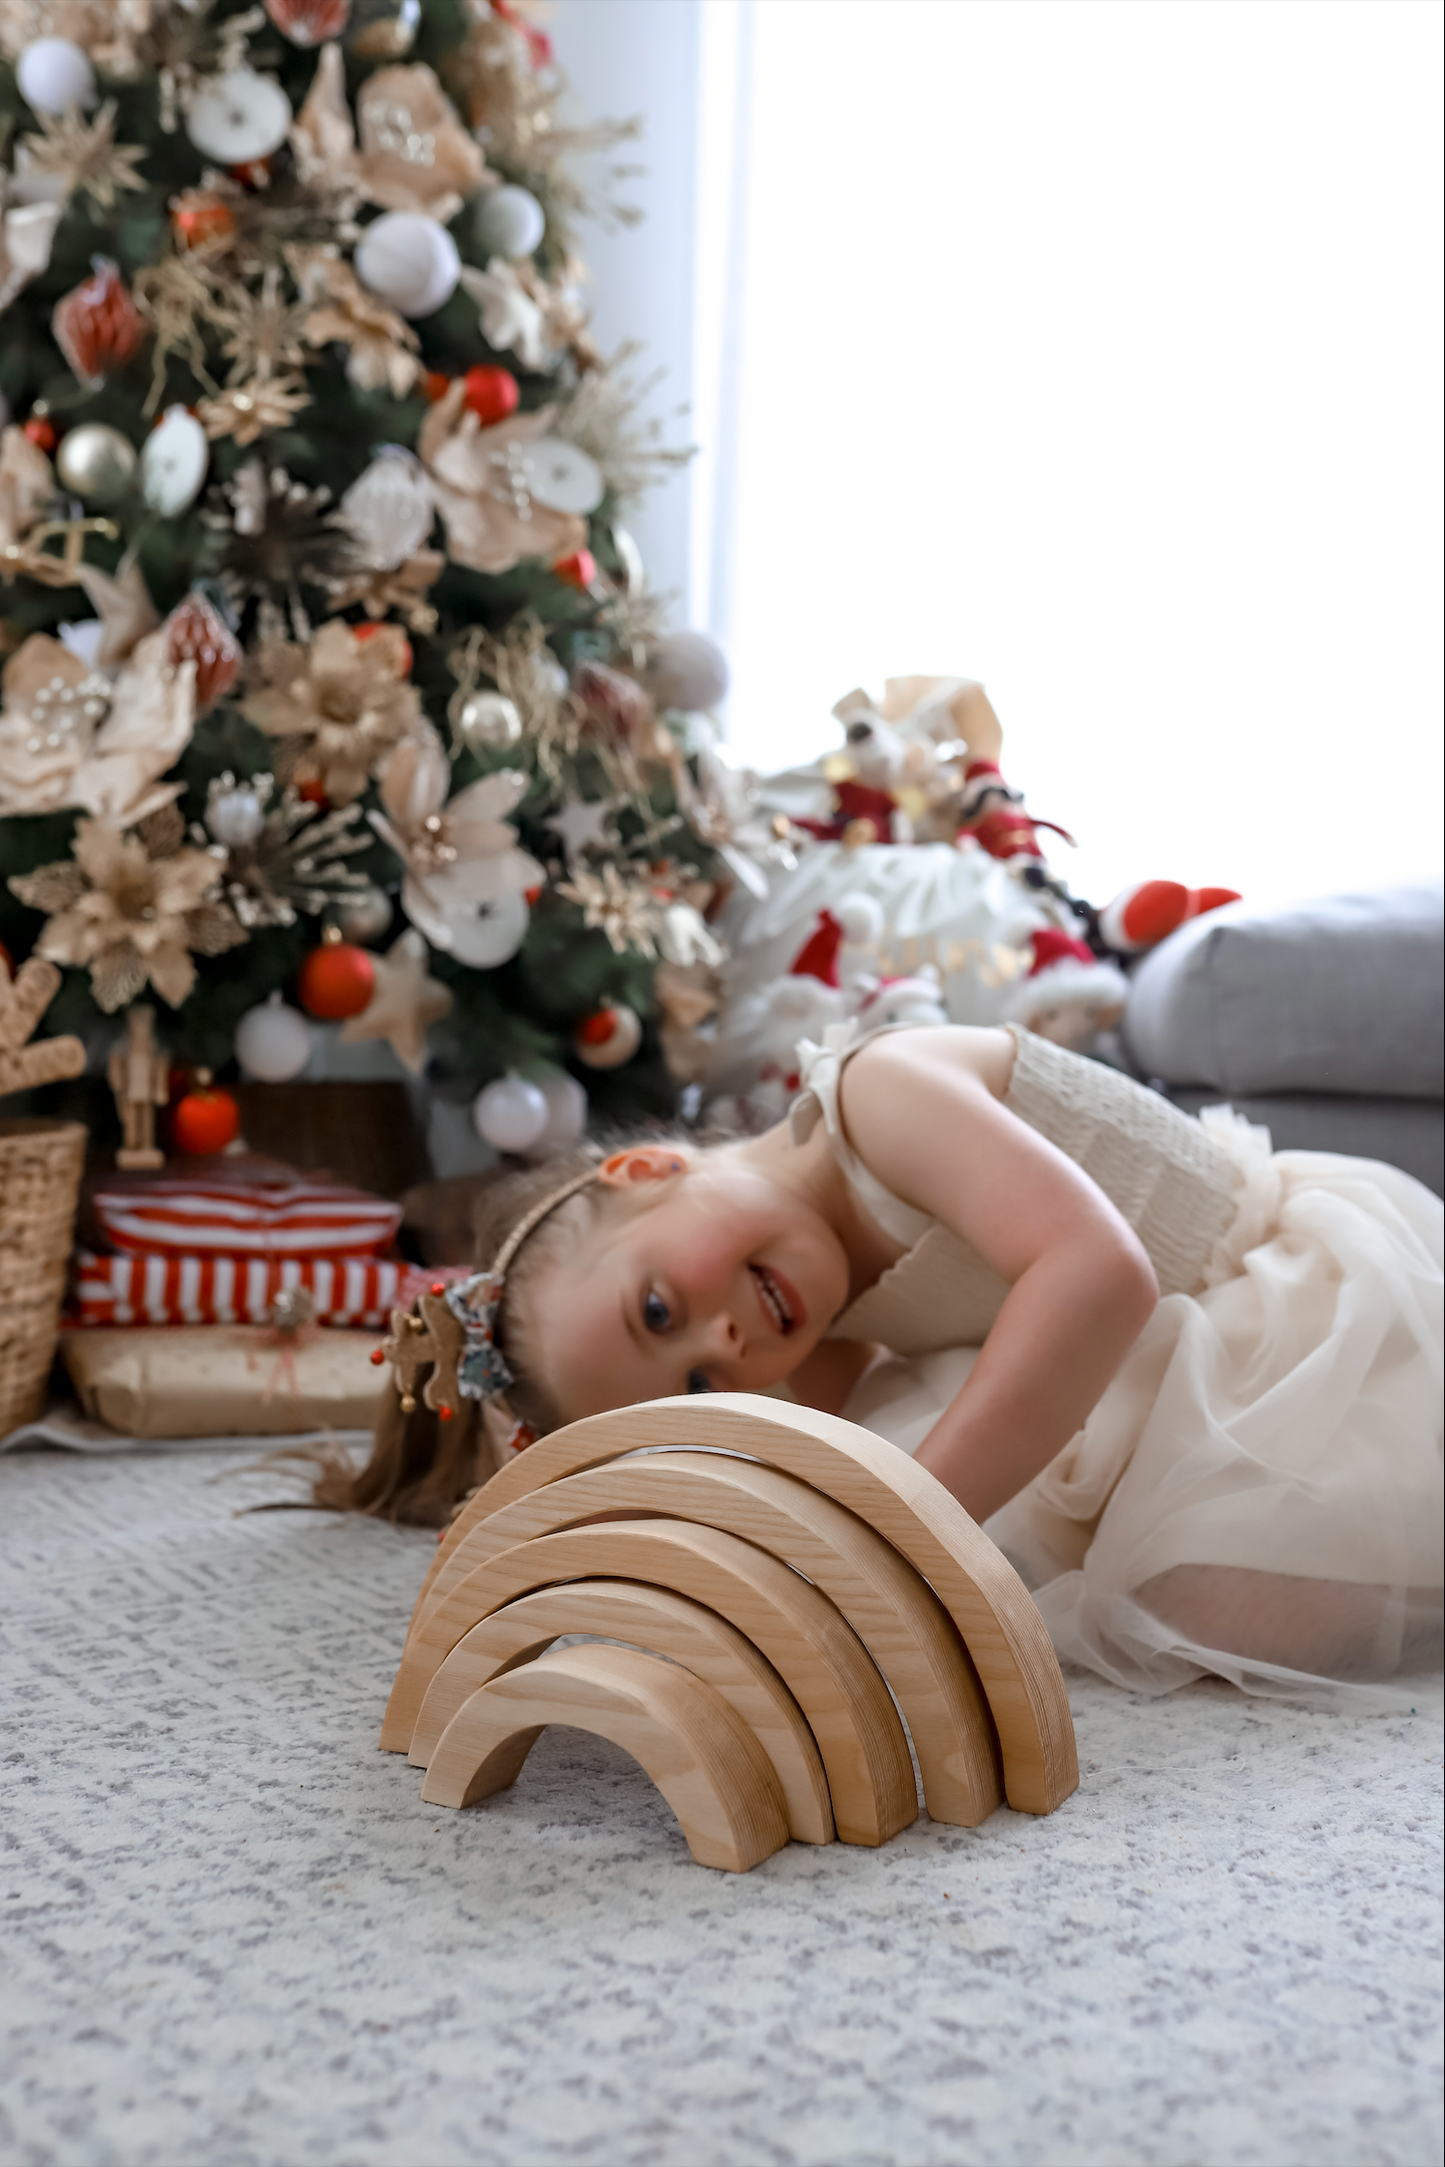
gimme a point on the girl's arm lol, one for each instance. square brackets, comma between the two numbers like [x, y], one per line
[923, 1120]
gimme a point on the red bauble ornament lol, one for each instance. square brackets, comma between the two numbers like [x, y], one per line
[41, 432]
[206, 1119]
[311, 791]
[97, 325]
[434, 384]
[336, 980]
[197, 632]
[309, 22]
[403, 650]
[609, 1037]
[579, 570]
[198, 218]
[491, 394]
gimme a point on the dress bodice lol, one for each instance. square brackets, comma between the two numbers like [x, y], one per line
[1174, 1182]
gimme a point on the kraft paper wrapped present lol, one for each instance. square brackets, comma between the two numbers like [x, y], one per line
[223, 1380]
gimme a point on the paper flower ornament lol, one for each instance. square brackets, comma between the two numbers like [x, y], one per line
[512, 320]
[482, 484]
[464, 870]
[70, 737]
[338, 706]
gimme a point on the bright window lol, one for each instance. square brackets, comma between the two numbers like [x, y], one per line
[1094, 350]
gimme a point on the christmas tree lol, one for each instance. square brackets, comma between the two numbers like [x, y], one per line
[330, 670]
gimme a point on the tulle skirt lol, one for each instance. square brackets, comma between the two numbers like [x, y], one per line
[1259, 1492]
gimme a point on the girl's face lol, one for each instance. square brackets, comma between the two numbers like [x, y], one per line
[718, 1278]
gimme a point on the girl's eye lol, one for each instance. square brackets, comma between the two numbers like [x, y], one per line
[696, 1382]
[655, 1313]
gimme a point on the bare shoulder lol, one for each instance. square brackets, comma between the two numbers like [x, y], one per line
[980, 1055]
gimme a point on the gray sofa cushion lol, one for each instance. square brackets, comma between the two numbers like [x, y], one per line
[1336, 996]
[1408, 1133]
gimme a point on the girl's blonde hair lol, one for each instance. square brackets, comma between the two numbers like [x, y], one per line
[420, 1467]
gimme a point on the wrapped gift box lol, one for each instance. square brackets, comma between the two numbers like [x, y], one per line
[224, 1380]
[134, 1290]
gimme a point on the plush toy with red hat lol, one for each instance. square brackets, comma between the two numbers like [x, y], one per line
[1067, 994]
[753, 1074]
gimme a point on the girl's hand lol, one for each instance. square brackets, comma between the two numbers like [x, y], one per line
[922, 1114]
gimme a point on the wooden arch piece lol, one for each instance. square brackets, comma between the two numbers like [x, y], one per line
[697, 1750]
[1001, 1628]
[815, 1652]
[898, 1618]
[667, 1624]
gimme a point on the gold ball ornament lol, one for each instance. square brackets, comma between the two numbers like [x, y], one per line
[488, 721]
[97, 462]
[363, 915]
[609, 1037]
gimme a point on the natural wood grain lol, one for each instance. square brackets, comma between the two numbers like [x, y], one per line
[668, 1624]
[1001, 1628]
[697, 1750]
[898, 1618]
[816, 1653]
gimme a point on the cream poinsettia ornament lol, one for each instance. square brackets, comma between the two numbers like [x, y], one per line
[481, 483]
[339, 706]
[413, 155]
[467, 880]
[131, 909]
[68, 736]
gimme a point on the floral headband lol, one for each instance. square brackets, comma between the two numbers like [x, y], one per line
[482, 1372]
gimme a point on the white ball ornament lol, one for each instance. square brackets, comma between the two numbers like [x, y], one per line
[389, 507]
[273, 1042]
[409, 261]
[55, 75]
[509, 222]
[173, 462]
[566, 1114]
[239, 117]
[510, 1114]
[687, 671]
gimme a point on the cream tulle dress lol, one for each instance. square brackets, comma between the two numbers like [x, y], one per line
[1258, 1494]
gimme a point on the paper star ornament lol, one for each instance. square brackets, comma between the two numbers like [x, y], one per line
[405, 1001]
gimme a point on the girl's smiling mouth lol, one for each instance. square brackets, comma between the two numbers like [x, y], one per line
[778, 1300]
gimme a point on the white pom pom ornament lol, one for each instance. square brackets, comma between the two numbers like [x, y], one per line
[409, 261]
[687, 671]
[55, 75]
[511, 1114]
[273, 1042]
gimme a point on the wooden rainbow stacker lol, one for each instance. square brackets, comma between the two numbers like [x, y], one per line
[790, 1592]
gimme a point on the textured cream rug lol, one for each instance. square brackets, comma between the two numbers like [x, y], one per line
[234, 1934]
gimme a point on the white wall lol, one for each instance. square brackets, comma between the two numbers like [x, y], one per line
[641, 56]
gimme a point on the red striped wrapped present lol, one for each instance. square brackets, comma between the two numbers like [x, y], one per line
[357, 1291]
[214, 1213]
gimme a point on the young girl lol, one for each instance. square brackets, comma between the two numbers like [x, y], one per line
[1205, 1420]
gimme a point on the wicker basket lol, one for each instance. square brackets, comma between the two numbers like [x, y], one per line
[40, 1169]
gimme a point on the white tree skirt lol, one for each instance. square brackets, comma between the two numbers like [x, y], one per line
[235, 1934]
